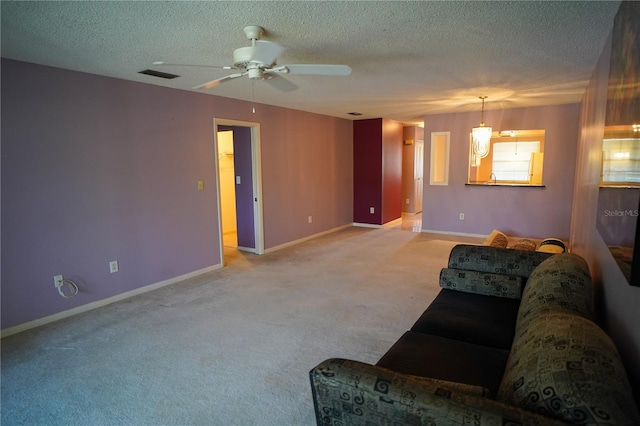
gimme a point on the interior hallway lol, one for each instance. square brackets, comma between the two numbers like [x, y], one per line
[411, 222]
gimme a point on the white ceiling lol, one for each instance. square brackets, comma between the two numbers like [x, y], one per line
[408, 58]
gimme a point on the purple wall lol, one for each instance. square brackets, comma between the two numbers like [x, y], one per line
[244, 191]
[96, 169]
[525, 212]
[307, 171]
[618, 300]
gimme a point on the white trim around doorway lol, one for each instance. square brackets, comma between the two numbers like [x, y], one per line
[256, 165]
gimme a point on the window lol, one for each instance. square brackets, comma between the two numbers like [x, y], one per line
[515, 158]
[439, 168]
[512, 160]
[621, 161]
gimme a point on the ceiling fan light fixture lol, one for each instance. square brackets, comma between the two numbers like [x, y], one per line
[255, 73]
[481, 136]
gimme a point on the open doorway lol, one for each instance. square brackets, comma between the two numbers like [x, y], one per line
[412, 170]
[238, 168]
[227, 176]
[412, 177]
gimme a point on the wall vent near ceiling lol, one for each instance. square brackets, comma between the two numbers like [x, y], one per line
[159, 74]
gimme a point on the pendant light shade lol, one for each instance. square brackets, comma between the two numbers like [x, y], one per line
[481, 136]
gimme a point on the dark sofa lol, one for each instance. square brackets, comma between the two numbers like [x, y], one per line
[510, 339]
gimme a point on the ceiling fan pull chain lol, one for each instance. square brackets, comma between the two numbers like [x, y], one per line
[253, 96]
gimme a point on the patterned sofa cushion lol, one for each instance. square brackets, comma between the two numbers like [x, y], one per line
[560, 284]
[495, 260]
[474, 318]
[488, 284]
[428, 355]
[564, 366]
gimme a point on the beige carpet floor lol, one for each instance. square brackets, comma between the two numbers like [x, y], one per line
[230, 347]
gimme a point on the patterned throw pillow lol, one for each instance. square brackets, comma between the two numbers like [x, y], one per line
[552, 245]
[496, 239]
[564, 366]
[524, 244]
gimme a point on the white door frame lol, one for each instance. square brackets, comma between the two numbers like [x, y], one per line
[256, 165]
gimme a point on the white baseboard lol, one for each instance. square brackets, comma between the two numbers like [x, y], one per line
[367, 225]
[389, 224]
[247, 249]
[458, 234]
[104, 302]
[302, 240]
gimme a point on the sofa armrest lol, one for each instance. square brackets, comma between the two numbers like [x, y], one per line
[355, 393]
[485, 283]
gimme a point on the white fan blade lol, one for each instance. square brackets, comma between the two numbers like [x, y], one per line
[218, 82]
[267, 52]
[318, 69]
[163, 63]
[281, 84]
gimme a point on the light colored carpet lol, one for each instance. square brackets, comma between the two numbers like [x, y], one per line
[231, 347]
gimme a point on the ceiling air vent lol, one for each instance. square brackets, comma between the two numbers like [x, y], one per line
[159, 74]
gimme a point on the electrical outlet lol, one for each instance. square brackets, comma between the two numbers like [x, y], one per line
[371, 210]
[407, 201]
[461, 216]
[113, 266]
[57, 280]
[200, 185]
[310, 219]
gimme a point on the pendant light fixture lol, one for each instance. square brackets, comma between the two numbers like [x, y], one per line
[481, 136]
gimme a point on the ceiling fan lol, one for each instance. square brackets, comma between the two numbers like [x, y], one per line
[258, 62]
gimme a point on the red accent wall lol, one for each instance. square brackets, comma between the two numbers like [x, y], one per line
[391, 170]
[377, 171]
[367, 171]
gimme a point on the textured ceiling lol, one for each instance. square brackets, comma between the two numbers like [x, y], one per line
[408, 58]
